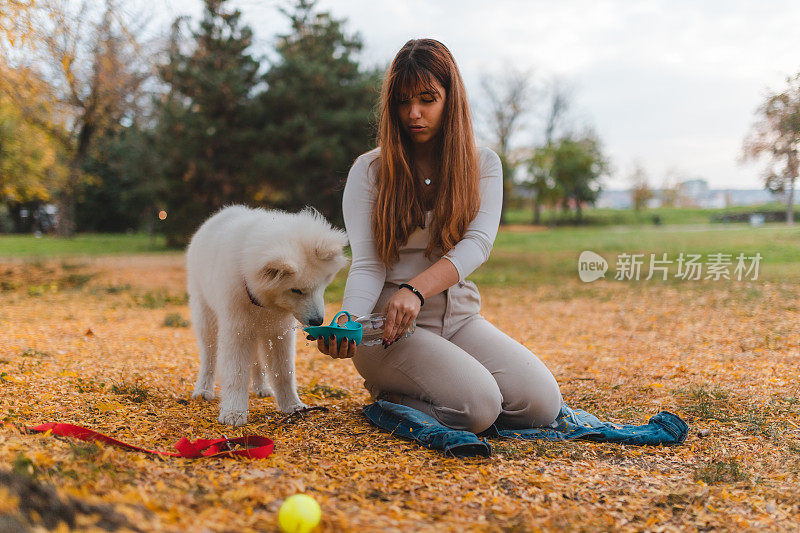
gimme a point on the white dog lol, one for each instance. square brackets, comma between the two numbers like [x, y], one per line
[251, 272]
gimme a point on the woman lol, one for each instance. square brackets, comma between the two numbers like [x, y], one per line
[422, 210]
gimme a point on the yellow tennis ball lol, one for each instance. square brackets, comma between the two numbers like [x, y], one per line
[300, 513]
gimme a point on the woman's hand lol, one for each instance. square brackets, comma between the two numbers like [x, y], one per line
[346, 349]
[401, 310]
[343, 350]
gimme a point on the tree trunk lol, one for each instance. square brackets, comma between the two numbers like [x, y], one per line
[14, 211]
[65, 226]
[65, 221]
[537, 211]
[790, 202]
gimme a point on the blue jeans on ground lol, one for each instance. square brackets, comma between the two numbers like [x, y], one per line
[664, 428]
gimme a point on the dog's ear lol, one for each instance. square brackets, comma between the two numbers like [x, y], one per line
[325, 253]
[277, 270]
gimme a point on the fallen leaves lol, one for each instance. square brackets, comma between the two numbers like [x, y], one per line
[723, 359]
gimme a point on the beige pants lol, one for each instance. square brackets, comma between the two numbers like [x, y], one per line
[459, 368]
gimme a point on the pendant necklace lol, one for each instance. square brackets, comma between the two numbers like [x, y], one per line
[427, 180]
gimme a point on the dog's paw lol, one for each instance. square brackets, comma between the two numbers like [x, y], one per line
[205, 394]
[292, 408]
[233, 418]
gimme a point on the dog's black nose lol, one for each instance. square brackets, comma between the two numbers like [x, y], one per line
[316, 321]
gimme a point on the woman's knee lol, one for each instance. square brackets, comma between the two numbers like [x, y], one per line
[538, 406]
[548, 405]
[478, 410]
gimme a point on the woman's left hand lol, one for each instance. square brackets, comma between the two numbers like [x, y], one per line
[401, 310]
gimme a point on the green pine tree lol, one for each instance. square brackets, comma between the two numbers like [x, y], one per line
[207, 135]
[318, 112]
[117, 196]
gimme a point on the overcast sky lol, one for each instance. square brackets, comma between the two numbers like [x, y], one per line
[673, 84]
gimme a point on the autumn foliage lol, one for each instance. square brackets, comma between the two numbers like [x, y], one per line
[104, 343]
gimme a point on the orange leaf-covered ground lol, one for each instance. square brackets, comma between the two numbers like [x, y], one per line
[101, 342]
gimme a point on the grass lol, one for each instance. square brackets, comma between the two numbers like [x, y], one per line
[526, 258]
[134, 392]
[159, 299]
[704, 404]
[595, 219]
[722, 359]
[549, 257]
[325, 391]
[30, 352]
[727, 470]
[81, 244]
[542, 257]
[668, 215]
[175, 320]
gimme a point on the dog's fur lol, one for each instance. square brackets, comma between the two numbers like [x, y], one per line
[272, 252]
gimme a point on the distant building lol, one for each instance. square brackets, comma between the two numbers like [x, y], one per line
[695, 193]
[690, 193]
[693, 190]
[614, 199]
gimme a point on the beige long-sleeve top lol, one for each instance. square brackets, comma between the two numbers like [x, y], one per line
[368, 274]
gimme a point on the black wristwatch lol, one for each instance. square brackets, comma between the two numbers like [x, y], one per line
[415, 291]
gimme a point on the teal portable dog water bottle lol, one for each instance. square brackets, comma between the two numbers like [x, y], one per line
[350, 330]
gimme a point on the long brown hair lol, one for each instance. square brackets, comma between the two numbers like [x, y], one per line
[398, 208]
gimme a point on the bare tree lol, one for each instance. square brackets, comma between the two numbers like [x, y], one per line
[641, 192]
[509, 97]
[93, 67]
[559, 98]
[669, 187]
[777, 135]
[560, 101]
[15, 20]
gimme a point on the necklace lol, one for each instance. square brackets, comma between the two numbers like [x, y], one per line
[427, 180]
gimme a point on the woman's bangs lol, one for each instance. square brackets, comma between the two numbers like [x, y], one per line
[412, 81]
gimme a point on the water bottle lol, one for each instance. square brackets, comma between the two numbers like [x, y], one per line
[373, 329]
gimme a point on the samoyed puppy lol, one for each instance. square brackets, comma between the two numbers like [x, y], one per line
[251, 274]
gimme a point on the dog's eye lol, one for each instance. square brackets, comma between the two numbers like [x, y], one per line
[297, 291]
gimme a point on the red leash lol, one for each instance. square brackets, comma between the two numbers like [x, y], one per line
[258, 447]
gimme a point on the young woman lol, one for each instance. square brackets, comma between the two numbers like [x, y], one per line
[422, 211]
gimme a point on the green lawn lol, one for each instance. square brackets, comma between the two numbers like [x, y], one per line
[550, 256]
[539, 257]
[82, 244]
[545, 256]
[668, 215]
